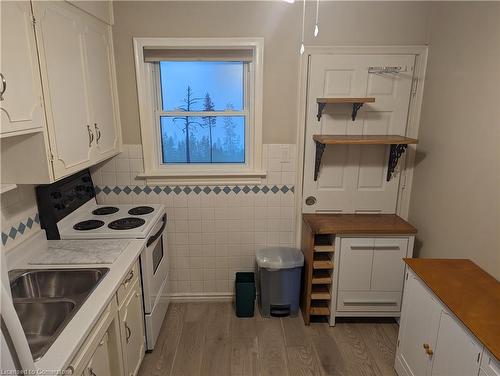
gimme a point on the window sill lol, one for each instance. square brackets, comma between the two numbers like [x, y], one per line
[202, 178]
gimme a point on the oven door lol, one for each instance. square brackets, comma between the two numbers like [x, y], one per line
[154, 265]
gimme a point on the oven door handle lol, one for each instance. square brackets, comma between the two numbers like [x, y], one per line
[153, 238]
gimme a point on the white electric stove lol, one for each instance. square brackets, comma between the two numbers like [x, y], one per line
[69, 210]
[92, 221]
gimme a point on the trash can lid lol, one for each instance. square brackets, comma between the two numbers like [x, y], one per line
[280, 258]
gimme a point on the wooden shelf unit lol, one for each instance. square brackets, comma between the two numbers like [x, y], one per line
[397, 143]
[357, 103]
[319, 234]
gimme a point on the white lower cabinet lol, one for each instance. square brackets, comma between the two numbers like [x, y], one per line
[132, 330]
[100, 364]
[489, 365]
[116, 343]
[431, 340]
[371, 274]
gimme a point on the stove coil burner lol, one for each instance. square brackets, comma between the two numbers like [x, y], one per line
[141, 210]
[126, 223]
[91, 224]
[105, 210]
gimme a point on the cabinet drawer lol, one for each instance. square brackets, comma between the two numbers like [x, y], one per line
[127, 283]
[489, 365]
[373, 301]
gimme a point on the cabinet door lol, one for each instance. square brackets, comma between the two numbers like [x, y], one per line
[456, 351]
[21, 106]
[418, 327]
[99, 364]
[388, 266]
[132, 329]
[103, 104]
[356, 258]
[59, 32]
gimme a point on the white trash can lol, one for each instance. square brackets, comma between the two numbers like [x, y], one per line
[279, 271]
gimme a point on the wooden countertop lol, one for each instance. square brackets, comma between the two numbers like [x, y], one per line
[469, 292]
[368, 224]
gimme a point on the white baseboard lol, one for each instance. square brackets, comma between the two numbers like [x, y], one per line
[201, 297]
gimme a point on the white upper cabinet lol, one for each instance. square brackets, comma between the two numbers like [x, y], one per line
[62, 57]
[77, 71]
[103, 104]
[21, 99]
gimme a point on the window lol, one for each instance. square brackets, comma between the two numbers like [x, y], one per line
[203, 111]
[200, 108]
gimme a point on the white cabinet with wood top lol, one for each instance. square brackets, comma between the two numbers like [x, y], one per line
[80, 98]
[21, 101]
[431, 340]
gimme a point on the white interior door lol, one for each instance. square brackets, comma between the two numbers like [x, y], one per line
[352, 179]
[21, 106]
[100, 77]
[60, 35]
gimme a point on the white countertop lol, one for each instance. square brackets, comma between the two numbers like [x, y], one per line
[76, 331]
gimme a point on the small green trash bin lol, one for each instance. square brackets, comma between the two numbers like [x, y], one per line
[245, 294]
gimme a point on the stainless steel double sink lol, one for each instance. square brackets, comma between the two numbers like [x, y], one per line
[46, 300]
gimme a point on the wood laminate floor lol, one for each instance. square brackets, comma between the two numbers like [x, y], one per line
[208, 339]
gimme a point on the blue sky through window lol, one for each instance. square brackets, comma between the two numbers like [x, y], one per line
[222, 80]
[191, 139]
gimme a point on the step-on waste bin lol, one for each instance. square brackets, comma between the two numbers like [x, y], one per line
[279, 270]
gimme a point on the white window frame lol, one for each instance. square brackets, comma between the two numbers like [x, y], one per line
[156, 172]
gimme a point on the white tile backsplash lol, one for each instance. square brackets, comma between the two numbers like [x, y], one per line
[212, 236]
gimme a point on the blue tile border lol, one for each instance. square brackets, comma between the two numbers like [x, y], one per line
[177, 190]
[21, 228]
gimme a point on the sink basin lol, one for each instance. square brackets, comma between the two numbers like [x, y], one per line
[46, 300]
[55, 283]
[42, 320]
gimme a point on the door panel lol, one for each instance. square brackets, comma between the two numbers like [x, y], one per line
[456, 352]
[21, 107]
[388, 266]
[361, 169]
[60, 36]
[419, 325]
[99, 364]
[356, 258]
[100, 73]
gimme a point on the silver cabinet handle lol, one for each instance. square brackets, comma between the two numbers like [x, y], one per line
[91, 135]
[129, 278]
[70, 370]
[4, 86]
[97, 132]
[92, 373]
[128, 334]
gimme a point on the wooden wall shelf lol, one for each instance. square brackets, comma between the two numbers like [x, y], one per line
[357, 103]
[398, 146]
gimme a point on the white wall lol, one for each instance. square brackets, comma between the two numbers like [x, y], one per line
[455, 200]
[18, 216]
[341, 23]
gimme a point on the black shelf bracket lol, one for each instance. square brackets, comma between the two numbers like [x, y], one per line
[320, 148]
[355, 108]
[395, 153]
